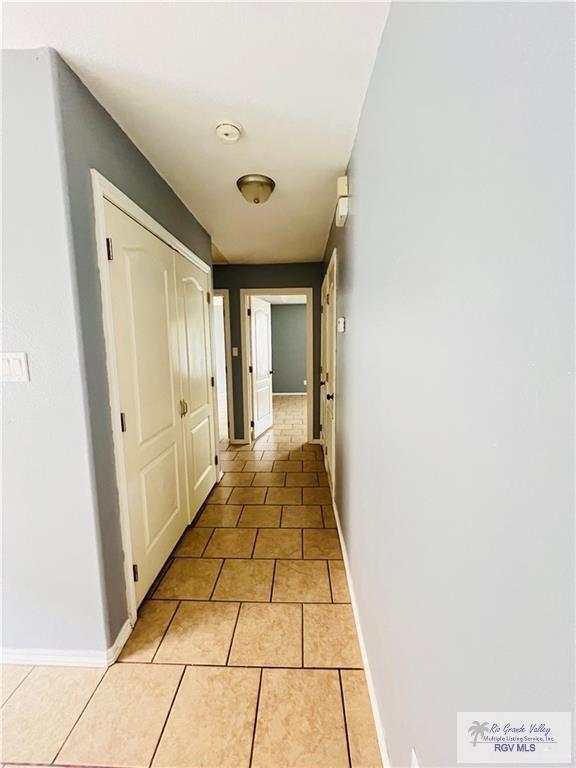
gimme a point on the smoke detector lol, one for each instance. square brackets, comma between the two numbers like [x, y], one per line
[228, 132]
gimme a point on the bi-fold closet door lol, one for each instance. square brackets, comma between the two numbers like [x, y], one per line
[162, 354]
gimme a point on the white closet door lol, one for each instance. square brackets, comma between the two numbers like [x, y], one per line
[143, 286]
[261, 353]
[197, 380]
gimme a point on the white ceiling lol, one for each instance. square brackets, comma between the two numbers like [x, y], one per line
[292, 74]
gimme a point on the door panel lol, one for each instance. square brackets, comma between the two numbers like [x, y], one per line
[329, 369]
[261, 352]
[197, 389]
[143, 288]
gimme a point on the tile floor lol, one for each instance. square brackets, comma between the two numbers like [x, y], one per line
[245, 652]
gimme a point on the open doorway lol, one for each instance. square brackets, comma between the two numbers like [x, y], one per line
[223, 367]
[277, 361]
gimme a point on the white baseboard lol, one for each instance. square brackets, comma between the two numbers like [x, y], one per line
[67, 658]
[238, 442]
[290, 394]
[369, 679]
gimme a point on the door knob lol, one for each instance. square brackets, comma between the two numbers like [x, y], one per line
[271, 372]
[183, 408]
[330, 396]
[322, 383]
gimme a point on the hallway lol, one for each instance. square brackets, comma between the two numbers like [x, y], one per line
[245, 652]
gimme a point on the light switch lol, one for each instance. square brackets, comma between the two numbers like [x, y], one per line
[14, 367]
[234, 351]
[341, 324]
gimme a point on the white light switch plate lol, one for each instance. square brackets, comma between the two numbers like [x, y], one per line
[234, 351]
[14, 367]
[341, 324]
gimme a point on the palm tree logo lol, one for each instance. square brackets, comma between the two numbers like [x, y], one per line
[478, 729]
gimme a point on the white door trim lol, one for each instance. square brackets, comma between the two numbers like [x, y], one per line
[225, 293]
[332, 265]
[104, 190]
[245, 341]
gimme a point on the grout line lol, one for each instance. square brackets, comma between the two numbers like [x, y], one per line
[165, 632]
[344, 715]
[256, 717]
[217, 579]
[330, 581]
[167, 716]
[84, 708]
[302, 633]
[239, 666]
[32, 667]
[233, 633]
[273, 578]
[254, 544]
[208, 540]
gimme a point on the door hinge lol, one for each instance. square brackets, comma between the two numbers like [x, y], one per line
[109, 251]
[211, 381]
[252, 424]
[321, 309]
[250, 369]
[327, 298]
[208, 297]
[216, 460]
[123, 422]
[320, 427]
[135, 572]
[325, 450]
[249, 313]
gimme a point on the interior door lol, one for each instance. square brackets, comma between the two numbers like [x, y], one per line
[261, 364]
[329, 369]
[143, 287]
[197, 380]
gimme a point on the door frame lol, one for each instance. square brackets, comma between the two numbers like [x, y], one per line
[332, 266]
[245, 293]
[103, 190]
[225, 294]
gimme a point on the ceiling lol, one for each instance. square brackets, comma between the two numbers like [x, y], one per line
[293, 75]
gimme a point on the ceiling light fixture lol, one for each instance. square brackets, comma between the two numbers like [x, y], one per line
[255, 187]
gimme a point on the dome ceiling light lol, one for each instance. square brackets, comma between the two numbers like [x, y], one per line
[255, 187]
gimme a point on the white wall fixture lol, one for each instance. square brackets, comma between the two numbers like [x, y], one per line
[341, 212]
[15, 367]
[341, 325]
[342, 186]
[228, 132]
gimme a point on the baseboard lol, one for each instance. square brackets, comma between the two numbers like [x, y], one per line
[68, 658]
[238, 442]
[369, 680]
[290, 394]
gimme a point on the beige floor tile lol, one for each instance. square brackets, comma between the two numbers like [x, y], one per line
[248, 496]
[258, 466]
[193, 542]
[268, 635]
[260, 516]
[323, 543]
[200, 633]
[316, 496]
[219, 495]
[270, 479]
[251, 455]
[229, 455]
[313, 466]
[301, 479]
[189, 579]
[153, 618]
[124, 719]
[330, 638]
[245, 580]
[278, 543]
[237, 479]
[328, 515]
[323, 480]
[364, 750]
[300, 720]
[276, 455]
[233, 466]
[219, 515]
[302, 516]
[284, 496]
[287, 466]
[339, 582]
[41, 712]
[231, 542]
[12, 676]
[301, 455]
[301, 581]
[212, 720]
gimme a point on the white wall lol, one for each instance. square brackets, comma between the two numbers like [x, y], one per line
[52, 592]
[455, 374]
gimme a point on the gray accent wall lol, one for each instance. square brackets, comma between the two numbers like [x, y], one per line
[288, 347]
[296, 275]
[63, 560]
[455, 418]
